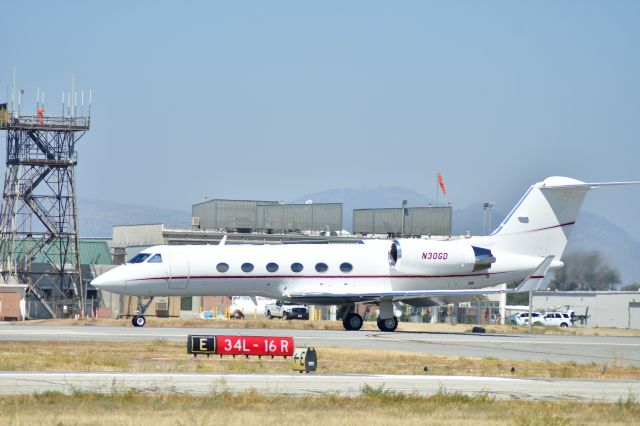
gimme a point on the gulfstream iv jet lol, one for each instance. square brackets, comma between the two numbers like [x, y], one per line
[420, 272]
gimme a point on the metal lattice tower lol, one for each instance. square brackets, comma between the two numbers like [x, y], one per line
[38, 223]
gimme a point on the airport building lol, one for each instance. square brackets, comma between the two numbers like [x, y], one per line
[266, 216]
[619, 309]
[403, 221]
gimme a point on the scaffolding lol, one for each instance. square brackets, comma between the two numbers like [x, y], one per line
[39, 220]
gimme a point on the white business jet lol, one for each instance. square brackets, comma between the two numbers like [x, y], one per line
[419, 272]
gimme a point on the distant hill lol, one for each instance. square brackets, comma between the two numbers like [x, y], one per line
[471, 218]
[591, 231]
[97, 218]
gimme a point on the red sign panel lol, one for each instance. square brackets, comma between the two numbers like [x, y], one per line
[254, 345]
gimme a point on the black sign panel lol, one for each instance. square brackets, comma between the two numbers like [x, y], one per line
[201, 345]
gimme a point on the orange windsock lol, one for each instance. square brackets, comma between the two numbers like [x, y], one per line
[441, 182]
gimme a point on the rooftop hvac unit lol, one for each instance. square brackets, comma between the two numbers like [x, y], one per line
[195, 221]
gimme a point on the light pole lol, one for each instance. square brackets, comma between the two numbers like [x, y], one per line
[487, 206]
[404, 207]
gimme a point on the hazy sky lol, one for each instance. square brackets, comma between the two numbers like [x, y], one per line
[272, 100]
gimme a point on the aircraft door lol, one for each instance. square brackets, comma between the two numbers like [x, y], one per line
[178, 271]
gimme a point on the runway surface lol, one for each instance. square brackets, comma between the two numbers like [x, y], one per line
[555, 348]
[15, 383]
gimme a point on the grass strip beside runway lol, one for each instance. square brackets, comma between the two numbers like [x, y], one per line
[163, 356]
[372, 407]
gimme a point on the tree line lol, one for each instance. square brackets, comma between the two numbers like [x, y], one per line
[583, 271]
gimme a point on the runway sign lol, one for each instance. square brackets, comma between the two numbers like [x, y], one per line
[240, 345]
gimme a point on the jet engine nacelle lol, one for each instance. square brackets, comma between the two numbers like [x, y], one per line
[415, 256]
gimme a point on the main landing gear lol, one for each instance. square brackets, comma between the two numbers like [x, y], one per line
[352, 321]
[388, 324]
[387, 321]
[140, 320]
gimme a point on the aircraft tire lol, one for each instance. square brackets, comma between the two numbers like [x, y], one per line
[352, 322]
[388, 324]
[139, 321]
[133, 321]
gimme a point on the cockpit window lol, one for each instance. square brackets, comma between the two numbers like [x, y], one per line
[156, 258]
[139, 258]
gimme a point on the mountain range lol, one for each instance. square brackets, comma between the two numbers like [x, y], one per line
[591, 232]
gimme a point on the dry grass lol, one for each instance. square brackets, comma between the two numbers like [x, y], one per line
[163, 356]
[373, 407]
[334, 325]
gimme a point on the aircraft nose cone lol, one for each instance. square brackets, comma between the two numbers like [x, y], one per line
[109, 281]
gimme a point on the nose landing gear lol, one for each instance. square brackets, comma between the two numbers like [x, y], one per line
[140, 320]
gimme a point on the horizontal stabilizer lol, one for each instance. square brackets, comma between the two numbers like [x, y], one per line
[535, 280]
[585, 185]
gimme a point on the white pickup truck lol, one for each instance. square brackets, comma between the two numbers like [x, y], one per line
[242, 306]
[286, 310]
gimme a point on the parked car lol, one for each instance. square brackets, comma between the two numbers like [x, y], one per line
[558, 319]
[522, 318]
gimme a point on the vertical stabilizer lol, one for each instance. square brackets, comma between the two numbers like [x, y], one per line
[541, 222]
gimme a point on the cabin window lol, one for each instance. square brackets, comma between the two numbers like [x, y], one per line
[321, 267]
[139, 258]
[222, 267]
[297, 267]
[247, 267]
[346, 267]
[272, 267]
[156, 258]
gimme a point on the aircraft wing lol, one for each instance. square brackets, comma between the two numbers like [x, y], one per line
[531, 283]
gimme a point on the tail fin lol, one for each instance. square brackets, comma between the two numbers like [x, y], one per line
[541, 222]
